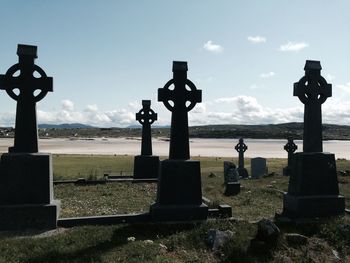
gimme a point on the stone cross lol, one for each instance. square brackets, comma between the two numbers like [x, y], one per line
[241, 147]
[179, 100]
[290, 147]
[312, 90]
[146, 116]
[26, 130]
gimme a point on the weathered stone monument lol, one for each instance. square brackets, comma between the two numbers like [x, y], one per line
[179, 194]
[313, 186]
[241, 147]
[258, 167]
[290, 147]
[146, 165]
[231, 179]
[26, 189]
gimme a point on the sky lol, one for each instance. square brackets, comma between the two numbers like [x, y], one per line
[107, 56]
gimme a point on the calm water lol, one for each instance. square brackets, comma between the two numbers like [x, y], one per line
[203, 147]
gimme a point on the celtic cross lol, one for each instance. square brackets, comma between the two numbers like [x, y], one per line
[312, 90]
[26, 130]
[241, 147]
[146, 116]
[179, 99]
[290, 147]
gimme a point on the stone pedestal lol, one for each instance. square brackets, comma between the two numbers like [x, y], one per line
[232, 188]
[313, 187]
[286, 171]
[146, 166]
[243, 173]
[26, 192]
[179, 194]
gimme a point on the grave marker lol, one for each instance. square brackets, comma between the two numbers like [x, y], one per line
[26, 130]
[231, 179]
[179, 194]
[26, 190]
[146, 165]
[258, 167]
[313, 189]
[241, 148]
[290, 147]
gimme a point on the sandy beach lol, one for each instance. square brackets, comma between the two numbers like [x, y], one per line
[199, 147]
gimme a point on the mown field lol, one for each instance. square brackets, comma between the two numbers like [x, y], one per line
[328, 240]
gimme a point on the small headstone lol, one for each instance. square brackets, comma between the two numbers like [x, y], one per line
[241, 148]
[232, 185]
[230, 172]
[146, 165]
[217, 239]
[258, 167]
[26, 188]
[179, 193]
[313, 189]
[290, 147]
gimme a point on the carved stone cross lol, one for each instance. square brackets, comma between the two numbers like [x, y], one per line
[290, 147]
[146, 116]
[312, 90]
[241, 147]
[179, 100]
[26, 130]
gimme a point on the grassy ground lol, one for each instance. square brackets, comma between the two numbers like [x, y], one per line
[258, 199]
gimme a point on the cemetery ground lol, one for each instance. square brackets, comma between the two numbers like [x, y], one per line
[328, 240]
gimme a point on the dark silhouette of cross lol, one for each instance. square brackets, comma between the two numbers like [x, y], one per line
[312, 90]
[241, 147]
[179, 100]
[26, 131]
[146, 116]
[290, 147]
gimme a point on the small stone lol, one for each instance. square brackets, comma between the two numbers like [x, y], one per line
[131, 239]
[163, 246]
[267, 231]
[212, 175]
[217, 239]
[148, 241]
[294, 239]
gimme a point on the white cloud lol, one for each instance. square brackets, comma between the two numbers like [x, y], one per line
[247, 110]
[257, 39]
[91, 108]
[210, 46]
[67, 105]
[293, 46]
[345, 87]
[267, 75]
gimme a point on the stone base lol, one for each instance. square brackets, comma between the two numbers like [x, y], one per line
[286, 171]
[232, 188]
[313, 189]
[312, 206]
[178, 212]
[179, 193]
[313, 174]
[146, 166]
[29, 216]
[243, 173]
[26, 192]
[26, 178]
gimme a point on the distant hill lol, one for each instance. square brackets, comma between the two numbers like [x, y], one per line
[267, 131]
[65, 126]
[230, 131]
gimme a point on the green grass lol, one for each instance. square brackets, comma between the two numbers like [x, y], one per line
[172, 242]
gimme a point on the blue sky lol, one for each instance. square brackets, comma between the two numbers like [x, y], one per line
[106, 56]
